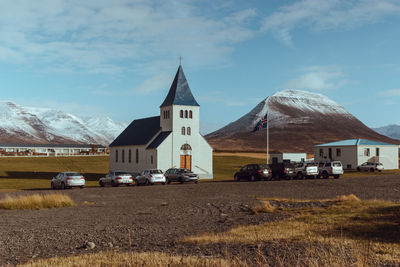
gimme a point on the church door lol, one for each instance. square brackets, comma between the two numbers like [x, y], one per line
[186, 162]
[186, 157]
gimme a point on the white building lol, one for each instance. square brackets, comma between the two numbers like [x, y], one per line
[287, 157]
[354, 152]
[169, 140]
[50, 149]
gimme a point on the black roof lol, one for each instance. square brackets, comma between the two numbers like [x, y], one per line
[158, 140]
[179, 93]
[139, 132]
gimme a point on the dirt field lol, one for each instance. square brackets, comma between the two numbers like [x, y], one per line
[160, 216]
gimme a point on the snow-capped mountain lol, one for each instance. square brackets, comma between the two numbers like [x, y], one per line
[392, 131]
[40, 125]
[297, 121]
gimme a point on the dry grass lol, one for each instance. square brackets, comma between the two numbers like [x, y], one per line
[346, 224]
[114, 259]
[264, 207]
[36, 202]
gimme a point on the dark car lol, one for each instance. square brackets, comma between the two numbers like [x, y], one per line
[282, 171]
[180, 175]
[253, 172]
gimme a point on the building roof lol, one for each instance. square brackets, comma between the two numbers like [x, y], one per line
[356, 142]
[9, 145]
[139, 132]
[179, 93]
[158, 140]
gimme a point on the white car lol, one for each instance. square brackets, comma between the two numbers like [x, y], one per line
[150, 177]
[370, 166]
[65, 180]
[306, 169]
[327, 169]
[116, 178]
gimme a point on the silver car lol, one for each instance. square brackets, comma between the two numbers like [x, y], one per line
[150, 177]
[116, 178]
[370, 166]
[65, 180]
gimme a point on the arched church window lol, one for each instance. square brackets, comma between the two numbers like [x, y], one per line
[137, 155]
[188, 131]
[183, 131]
[116, 155]
[190, 115]
[186, 147]
[181, 113]
[186, 114]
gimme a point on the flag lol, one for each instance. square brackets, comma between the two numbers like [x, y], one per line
[261, 124]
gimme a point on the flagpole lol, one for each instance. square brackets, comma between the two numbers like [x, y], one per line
[267, 136]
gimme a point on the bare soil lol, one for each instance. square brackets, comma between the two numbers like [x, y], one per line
[160, 216]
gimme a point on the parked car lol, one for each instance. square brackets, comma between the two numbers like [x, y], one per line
[181, 175]
[116, 178]
[65, 180]
[327, 169]
[150, 177]
[306, 169]
[370, 166]
[253, 172]
[282, 171]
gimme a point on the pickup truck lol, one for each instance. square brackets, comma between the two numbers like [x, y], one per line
[306, 169]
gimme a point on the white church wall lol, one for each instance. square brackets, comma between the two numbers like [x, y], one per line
[164, 159]
[204, 162]
[135, 164]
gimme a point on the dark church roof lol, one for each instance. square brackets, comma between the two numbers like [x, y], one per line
[139, 132]
[179, 93]
[158, 140]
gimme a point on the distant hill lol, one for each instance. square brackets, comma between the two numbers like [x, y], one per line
[42, 126]
[392, 131]
[297, 121]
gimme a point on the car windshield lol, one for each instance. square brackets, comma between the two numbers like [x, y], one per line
[156, 172]
[310, 164]
[121, 173]
[73, 174]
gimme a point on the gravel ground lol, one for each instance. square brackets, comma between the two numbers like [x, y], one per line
[159, 216]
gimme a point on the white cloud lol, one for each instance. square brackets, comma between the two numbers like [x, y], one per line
[390, 93]
[328, 14]
[155, 83]
[98, 36]
[318, 78]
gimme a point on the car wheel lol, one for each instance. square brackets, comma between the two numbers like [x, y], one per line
[114, 184]
[128, 184]
[372, 169]
[147, 182]
[101, 184]
[168, 181]
[81, 187]
[300, 176]
[63, 186]
[325, 175]
[136, 183]
[358, 169]
[181, 180]
[236, 177]
[52, 186]
[163, 183]
[196, 182]
[336, 176]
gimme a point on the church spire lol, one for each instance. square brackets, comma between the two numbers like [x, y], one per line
[179, 93]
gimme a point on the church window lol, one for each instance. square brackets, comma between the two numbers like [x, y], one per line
[188, 131]
[123, 156]
[183, 131]
[186, 114]
[130, 156]
[137, 155]
[168, 114]
[151, 159]
[164, 114]
[116, 155]
[190, 114]
[181, 113]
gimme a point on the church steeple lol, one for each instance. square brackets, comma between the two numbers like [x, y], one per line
[179, 93]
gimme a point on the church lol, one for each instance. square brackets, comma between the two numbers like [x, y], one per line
[171, 140]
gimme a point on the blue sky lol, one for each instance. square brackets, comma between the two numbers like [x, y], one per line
[118, 58]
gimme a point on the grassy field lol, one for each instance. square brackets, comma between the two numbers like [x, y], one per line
[33, 173]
